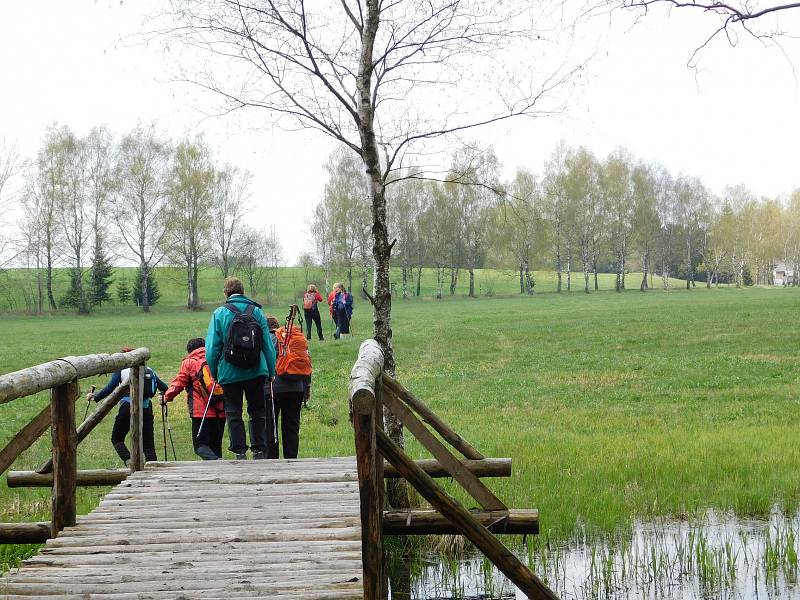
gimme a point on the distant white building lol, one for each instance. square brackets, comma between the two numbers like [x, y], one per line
[782, 275]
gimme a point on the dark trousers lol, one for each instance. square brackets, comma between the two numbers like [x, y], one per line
[253, 390]
[313, 315]
[287, 411]
[122, 425]
[211, 435]
[342, 322]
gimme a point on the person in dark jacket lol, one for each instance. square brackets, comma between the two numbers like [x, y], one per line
[289, 391]
[311, 310]
[343, 308]
[240, 382]
[195, 378]
[122, 423]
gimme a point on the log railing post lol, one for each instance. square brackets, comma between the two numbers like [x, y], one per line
[137, 421]
[367, 459]
[65, 455]
[364, 402]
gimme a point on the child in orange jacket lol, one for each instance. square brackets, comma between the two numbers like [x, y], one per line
[194, 376]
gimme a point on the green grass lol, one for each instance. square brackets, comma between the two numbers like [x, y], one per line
[613, 406]
[292, 281]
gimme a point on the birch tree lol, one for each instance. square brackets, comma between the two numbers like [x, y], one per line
[616, 182]
[140, 209]
[49, 190]
[583, 196]
[75, 218]
[645, 221]
[99, 152]
[230, 196]
[557, 210]
[363, 72]
[188, 213]
[10, 163]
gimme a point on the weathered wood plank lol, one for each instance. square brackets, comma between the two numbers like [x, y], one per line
[299, 540]
[87, 477]
[65, 455]
[63, 370]
[137, 399]
[24, 533]
[25, 438]
[432, 522]
[371, 509]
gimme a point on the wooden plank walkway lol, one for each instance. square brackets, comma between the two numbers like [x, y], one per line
[217, 529]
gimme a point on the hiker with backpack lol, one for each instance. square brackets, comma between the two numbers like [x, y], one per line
[291, 388]
[122, 422]
[332, 312]
[241, 357]
[311, 310]
[343, 309]
[205, 400]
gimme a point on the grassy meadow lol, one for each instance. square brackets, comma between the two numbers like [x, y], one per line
[613, 406]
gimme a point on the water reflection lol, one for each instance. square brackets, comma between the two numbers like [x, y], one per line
[718, 556]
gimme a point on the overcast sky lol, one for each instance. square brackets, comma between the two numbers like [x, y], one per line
[735, 119]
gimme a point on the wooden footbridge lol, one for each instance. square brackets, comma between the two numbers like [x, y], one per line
[303, 529]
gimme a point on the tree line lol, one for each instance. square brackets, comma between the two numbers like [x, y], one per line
[140, 198]
[582, 215]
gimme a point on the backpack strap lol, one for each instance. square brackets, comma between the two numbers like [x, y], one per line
[233, 308]
[249, 310]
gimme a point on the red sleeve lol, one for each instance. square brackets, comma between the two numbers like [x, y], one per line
[182, 380]
[319, 297]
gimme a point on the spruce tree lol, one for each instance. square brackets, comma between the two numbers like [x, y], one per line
[76, 295]
[123, 291]
[152, 288]
[100, 275]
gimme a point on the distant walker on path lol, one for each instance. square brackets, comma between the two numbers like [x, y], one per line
[311, 310]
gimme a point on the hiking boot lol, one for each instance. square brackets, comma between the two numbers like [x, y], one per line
[259, 455]
[206, 453]
[242, 456]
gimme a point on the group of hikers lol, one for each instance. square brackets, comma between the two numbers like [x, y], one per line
[246, 355]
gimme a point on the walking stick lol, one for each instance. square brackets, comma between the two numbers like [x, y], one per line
[205, 412]
[274, 418]
[169, 431]
[88, 402]
[164, 426]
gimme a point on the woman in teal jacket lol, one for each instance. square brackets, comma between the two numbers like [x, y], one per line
[237, 381]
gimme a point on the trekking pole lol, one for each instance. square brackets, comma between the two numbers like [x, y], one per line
[169, 431]
[164, 425]
[274, 418]
[205, 412]
[88, 402]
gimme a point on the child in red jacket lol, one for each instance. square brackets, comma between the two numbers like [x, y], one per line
[194, 376]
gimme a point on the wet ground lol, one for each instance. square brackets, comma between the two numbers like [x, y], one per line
[716, 556]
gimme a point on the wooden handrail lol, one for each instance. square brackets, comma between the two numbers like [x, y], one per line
[63, 370]
[61, 377]
[370, 391]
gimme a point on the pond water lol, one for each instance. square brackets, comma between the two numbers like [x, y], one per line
[718, 556]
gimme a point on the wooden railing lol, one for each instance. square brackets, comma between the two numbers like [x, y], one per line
[372, 391]
[60, 472]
